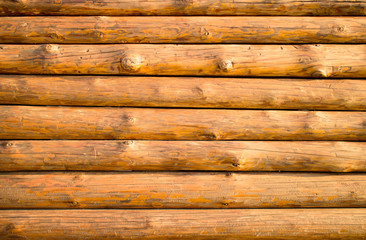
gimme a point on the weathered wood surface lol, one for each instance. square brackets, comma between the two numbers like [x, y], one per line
[231, 224]
[339, 61]
[182, 7]
[183, 30]
[181, 190]
[30, 122]
[188, 92]
[182, 155]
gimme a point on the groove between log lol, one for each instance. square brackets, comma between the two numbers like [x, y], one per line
[184, 92]
[185, 224]
[335, 60]
[181, 190]
[140, 155]
[29, 122]
[183, 7]
[183, 30]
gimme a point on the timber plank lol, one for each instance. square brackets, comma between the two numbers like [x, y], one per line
[31, 122]
[339, 61]
[182, 7]
[185, 92]
[181, 190]
[183, 30]
[184, 224]
[97, 155]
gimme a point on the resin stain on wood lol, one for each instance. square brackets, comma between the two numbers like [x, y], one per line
[184, 92]
[183, 7]
[31, 122]
[176, 190]
[183, 30]
[252, 224]
[324, 61]
[63, 155]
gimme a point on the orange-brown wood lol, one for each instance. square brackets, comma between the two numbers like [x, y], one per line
[183, 30]
[182, 155]
[182, 7]
[29, 122]
[189, 92]
[181, 190]
[340, 61]
[252, 224]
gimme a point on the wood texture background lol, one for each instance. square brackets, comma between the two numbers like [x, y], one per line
[182, 119]
[181, 190]
[186, 92]
[63, 155]
[183, 30]
[183, 7]
[338, 61]
[29, 122]
[184, 224]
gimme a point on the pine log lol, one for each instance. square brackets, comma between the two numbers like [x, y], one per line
[181, 190]
[339, 61]
[185, 92]
[30, 122]
[183, 30]
[97, 155]
[183, 7]
[228, 224]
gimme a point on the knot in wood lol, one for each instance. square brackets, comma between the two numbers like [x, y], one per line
[339, 28]
[51, 48]
[225, 65]
[205, 34]
[56, 36]
[131, 63]
[21, 1]
[320, 73]
[183, 3]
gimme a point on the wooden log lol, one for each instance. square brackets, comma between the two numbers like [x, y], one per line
[252, 224]
[339, 61]
[29, 122]
[181, 190]
[186, 92]
[182, 7]
[183, 30]
[182, 155]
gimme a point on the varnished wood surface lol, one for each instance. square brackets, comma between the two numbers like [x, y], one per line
[182, 7]
[253, 224]
[183, 30]
[181, 190]
[185, 92]
[339, 61]
[97, 155]
[30, 122]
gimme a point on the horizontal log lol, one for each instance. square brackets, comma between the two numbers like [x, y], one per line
[182, 7]
[182, 155]
[186, 92]
[345, 224]
[181, 190]
[30, 122]
[339, 61]
[183, 30]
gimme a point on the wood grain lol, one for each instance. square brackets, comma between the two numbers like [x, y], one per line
[252, 224]
[181, 190]
[29, 122]
[339, 61]
[97, 155]
[182, 7]
[185, 92]
[183, 30]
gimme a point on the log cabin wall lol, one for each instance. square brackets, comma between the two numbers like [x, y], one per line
[182, 119]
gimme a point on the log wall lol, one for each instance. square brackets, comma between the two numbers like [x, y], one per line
[182, 119]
